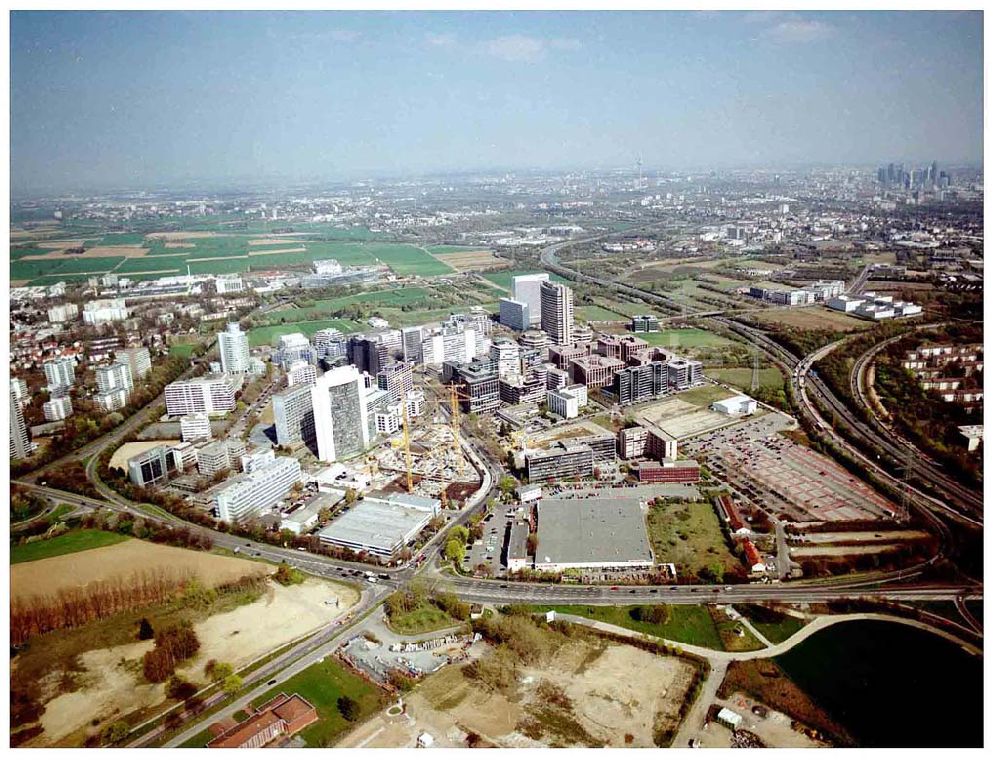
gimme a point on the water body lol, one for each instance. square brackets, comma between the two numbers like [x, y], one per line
[892, 685]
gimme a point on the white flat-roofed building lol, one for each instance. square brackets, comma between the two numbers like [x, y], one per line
[113, 376]
[563, 404]
[60, 373]
[738, 404]
[57, 409]
[340, 413]
[234, 349]
[138, 360]
[59, 314]
[301, 373]
[381, 525]
[253, 493]
[195, 427]
[506, 354]
[294, 347]
[527, 289]
[229, 282]
[211, 394]
[113, 399]
[98, 312]
[293, 415]
[220, 455]
[579, 391]
[515, 314]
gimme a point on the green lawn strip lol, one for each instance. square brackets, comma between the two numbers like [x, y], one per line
[741, 377]
[426, 618]
[705, 395]
[685, 338]
[198, 741]
[322, 684]
[773, 624]
[690, 624]
[503, 278]
[67, 543]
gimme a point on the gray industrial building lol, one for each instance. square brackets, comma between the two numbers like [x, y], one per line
[592, 533]
[560, 462]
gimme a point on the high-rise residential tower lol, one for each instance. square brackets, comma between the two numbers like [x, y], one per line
[557, 312]
[340, 414]
[234, 350]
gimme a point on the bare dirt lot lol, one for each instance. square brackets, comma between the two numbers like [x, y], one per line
[182, 235]
[274, 241]
[472, 261]
[46, 577]
[110, 251]
[613, 693]
[126, 451]
[110, 683]
[682, 419]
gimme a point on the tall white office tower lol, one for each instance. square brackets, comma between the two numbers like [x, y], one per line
[20, 443]
[527, 289]
[557, 312]
[340, 414]
[234, 350]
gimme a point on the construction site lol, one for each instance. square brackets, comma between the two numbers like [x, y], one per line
[426, 457]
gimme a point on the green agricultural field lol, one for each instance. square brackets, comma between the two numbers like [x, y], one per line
[688, 534]
[690, 624]
[67, 543]
[685, 338]
[596, 313]
[770, 376]
[143, 264]
[381, 297]
[444, 249]
[502, 278]
[322, 684]
[268, 335]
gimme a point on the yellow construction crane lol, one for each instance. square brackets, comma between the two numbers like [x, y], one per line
[453, 396]
[406, 447]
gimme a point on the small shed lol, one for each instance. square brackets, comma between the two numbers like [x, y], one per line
[425, 740]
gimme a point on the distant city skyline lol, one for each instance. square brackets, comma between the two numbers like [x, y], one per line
[135, 99]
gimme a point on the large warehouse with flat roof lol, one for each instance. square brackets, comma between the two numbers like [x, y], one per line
[381, 525]
[592, 533]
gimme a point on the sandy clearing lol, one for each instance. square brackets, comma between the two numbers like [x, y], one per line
[276, 251]
[471, 261]
[59, 243]
[622, 691]
[861, 537]
[44, 577]
[126, 451]
[239, 637]
[108, 689]
[618, 692]
[182, 235]
[130, 274]
[93, 252]
[20, 282]
[840, 551]
[177, 244]
[283, 614]
[275, 240]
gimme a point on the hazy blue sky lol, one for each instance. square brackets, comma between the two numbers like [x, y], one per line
[135, 99]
